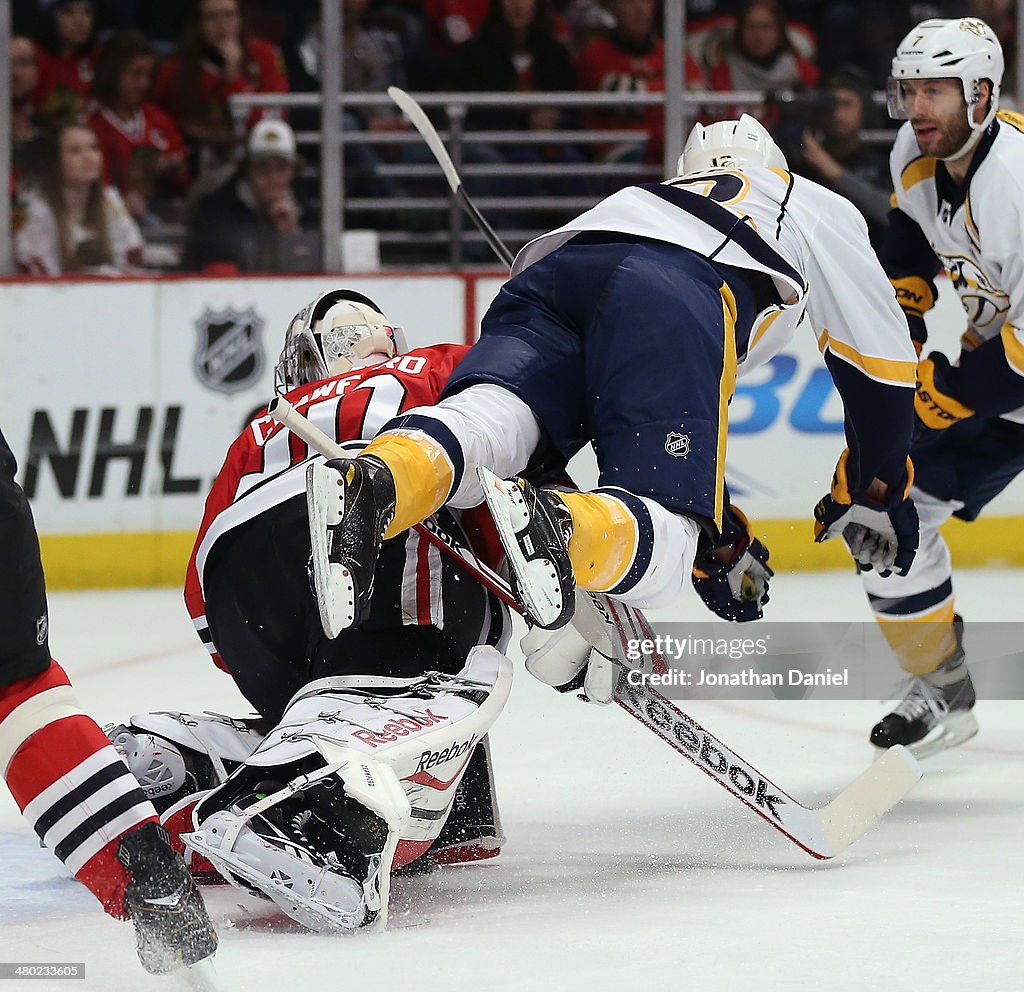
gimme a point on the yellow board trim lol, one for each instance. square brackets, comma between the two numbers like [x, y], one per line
[891, 370]
[917, 171]
[113, 561]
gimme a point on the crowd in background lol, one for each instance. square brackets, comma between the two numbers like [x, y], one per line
[121, 127]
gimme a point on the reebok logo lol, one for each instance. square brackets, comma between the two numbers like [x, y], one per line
[394, 729]
[718, 763]
[456, 750]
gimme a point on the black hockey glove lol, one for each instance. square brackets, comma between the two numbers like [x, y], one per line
[935, 408]
[736, 589]
[879, 536]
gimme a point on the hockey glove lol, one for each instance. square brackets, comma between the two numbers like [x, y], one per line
[563, 659]
[879, 536]
[737, 588]
[934, 405]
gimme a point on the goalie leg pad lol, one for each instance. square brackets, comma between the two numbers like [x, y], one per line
[174, 755]
[398, 748]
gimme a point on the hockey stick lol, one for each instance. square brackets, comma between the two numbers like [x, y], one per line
[822, 833]
[428, 132]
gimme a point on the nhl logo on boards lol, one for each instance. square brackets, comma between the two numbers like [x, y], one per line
[677, 445]
[229, 355]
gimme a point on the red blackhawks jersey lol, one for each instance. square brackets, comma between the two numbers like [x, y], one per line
[133, 150]
[266, 465]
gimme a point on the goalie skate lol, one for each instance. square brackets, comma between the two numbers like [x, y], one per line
[276, 862]
[534, 529]
[350, 503]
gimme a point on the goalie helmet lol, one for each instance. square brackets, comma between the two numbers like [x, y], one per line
[965, 48]
[330, 335]
[730, 145]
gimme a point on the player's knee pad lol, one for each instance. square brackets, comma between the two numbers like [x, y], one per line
[174, 755]
[359, 777]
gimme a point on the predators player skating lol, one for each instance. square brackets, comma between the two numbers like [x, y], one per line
[958, 173]
[627, 329]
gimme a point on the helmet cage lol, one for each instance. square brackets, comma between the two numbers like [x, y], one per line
[308, 355]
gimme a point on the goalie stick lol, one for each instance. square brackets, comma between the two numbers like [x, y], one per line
[610, 626]
[428, 132]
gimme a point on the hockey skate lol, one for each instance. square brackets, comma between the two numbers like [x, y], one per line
[535, 529]
[172, 927]
[935, 714]
[350, 502]
[293, 856]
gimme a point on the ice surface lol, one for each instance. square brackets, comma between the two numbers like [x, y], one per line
[624, 869]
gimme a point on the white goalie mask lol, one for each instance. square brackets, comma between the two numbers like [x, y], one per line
[966, 49]
[730, 145]
[331, 335]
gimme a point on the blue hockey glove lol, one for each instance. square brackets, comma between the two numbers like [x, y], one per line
[736, 589]
[879, 536]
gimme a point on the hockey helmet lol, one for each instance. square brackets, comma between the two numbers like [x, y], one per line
[330, 335]
[730, 145]
[965, 48]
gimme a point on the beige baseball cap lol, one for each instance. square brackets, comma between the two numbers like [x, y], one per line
[271, 137]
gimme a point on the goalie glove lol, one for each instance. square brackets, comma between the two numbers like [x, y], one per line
[565, 660]
[934, 405]
[737, 588]
[880, 536]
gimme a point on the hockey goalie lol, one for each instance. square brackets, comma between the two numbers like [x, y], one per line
[370, 750]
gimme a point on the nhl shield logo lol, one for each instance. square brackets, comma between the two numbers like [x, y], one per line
[677, 445]
[229, 356]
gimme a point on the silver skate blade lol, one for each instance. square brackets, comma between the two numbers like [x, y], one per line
[199, 977]
[953, 730]
[507, 509]
[335, 593]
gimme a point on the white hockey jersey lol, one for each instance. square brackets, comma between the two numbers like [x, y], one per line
[810, 241]
[978, 237]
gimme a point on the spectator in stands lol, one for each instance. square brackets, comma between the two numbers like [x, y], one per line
[216, 59]
[840, 160]
[143, 151]
[373, 58]
[24, 84]
[67, 53]
[630, 59]
[453, 22]
[761, 55]
[256, 222]
[73, 223]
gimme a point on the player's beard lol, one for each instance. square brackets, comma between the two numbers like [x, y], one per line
[953, 134]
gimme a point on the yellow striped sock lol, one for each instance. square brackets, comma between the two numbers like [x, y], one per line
[422, 473]
[604, 538]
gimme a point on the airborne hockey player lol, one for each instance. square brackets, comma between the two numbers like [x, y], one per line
[627, 328]
[957, 169]
[371, 748]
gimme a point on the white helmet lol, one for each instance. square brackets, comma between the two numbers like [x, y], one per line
[730, 145]
[329, 336]
[966, 49]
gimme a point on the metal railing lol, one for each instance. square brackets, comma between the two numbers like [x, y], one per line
[452, 110]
